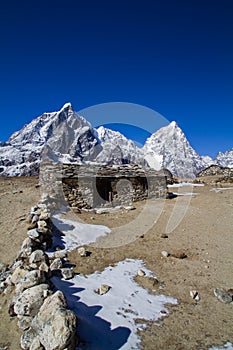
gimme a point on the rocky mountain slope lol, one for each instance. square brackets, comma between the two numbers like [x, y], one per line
[67, 137]
[225, 159]
[175, 152]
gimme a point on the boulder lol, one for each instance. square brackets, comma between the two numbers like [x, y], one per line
[30, 279]
[37, 257]
[18, 274]
[54, 324]
[67, 273]
[29, 301]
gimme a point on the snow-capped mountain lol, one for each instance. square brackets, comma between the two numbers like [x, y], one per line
[170, 149]
[225, 159]
[64, 137]
[117, 149]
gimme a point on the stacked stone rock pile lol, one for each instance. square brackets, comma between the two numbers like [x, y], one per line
[43, 316]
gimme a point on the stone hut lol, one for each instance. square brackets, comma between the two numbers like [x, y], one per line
[91, 186]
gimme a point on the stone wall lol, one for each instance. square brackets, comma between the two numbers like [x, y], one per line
[91, 187]
[43, 316]
[215, 175]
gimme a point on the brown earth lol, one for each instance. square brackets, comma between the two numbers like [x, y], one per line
[205, 235]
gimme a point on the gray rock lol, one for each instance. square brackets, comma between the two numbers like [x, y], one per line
[103, 289]
[67, 273]
[223, 295]
[164, 253]
[29, 301]
[56, 264]
[18, 274]
[27, 339]
[24, 322]
[54, 324]
[33, 234]
[37, 257]
[30, 279]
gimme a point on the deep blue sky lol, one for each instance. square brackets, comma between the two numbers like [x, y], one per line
[174, 56]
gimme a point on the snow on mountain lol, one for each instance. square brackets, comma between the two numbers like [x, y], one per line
[174, 151]
[64, 137]
[117, 149]
[225, 159]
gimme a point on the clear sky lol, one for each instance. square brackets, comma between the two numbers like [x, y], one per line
[174, 56]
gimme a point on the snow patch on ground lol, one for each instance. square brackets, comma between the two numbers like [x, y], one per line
[182, 184]
[73, 234]
[219, 189]
[109, 321]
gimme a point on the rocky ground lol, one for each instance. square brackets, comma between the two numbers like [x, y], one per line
[204, 236]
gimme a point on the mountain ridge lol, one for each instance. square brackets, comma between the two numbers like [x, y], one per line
[65, 136]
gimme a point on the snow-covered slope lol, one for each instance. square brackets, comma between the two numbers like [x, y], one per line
[117, 149]
[65, 137]
[62, 136]
[172, 150]
[225, 159]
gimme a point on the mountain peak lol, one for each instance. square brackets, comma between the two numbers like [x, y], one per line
[67, 105]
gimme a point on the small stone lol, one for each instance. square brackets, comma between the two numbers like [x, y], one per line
[33, 234]
[164, 253]
[24, 322]
[67, 273]
[223, 295]
[141, 273]
[194, 295]
[164, 235]
[82, 251]
[103, 289]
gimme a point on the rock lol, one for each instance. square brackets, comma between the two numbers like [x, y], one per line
[29, 301]
[44, 267]
[194, 294]
[18, 274]
[60, 254]
[33, 234]
[42, 227]
[103, 289]
[30, 279]
[164, 235]
[56, 264]
[27, 339]
[29, 243]
[37, 257]
[165, 254]
[179, 255]
[54, 324]
[36, 345]
[24, 322]
[82, 251]
[45, 215]
[141, 273]
[223, 295]
[67, 273]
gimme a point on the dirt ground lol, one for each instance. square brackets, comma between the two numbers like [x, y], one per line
[205, 235]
